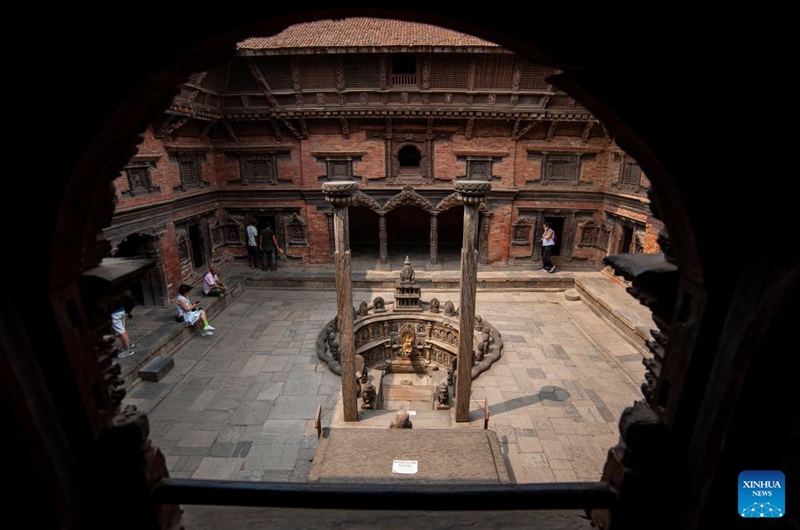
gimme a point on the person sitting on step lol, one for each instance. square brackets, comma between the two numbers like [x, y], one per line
[190, 311]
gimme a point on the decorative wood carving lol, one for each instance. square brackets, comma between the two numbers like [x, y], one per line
[469, 128]
[408, 197]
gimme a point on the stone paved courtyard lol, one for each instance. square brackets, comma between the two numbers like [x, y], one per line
[240, 405]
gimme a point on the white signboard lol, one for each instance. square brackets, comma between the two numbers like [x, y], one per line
[412, 412]
[405, 467]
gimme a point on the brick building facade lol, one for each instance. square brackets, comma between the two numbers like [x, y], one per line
[405, 110]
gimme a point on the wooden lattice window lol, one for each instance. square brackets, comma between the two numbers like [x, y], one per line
[362, 71]
[339, 168]
[190, 170]
[630, 174]
[258, 169]
[241, 78]
[560, 168]
[276, 71]
[494, 71]
[479, 168]
[534, 77]
[317, 73]
[451, 72]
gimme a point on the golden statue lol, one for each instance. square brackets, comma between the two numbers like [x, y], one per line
[408, 342]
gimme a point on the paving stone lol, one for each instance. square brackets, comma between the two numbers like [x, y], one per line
[218, 468]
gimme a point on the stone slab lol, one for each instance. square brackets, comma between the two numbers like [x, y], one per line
[443, 456]
[156, 369]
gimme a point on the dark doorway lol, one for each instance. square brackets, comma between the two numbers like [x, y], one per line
[364, 233]
[150, 289]
[408, 232]
[451, 235]
[263, 221]
[625, 240]
[557, 224]
[196, 242]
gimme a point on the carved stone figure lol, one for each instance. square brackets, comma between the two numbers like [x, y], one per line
[451, 371]
[442, 396]
[449, 308]
[365, 374]
[408, 344]
[434, 305]
[379, 304]
[368, 396]
[362, 309]
[478, 323]
[401, 421]
[333, 344]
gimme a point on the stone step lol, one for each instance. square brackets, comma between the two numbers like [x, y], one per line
[407, 393]
[156, 369]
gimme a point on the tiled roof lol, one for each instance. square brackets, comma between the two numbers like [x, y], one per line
[362, 32]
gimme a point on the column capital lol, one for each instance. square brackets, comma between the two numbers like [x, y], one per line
[339, 193]
[472, 191]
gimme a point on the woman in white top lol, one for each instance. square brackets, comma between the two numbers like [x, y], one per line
[548, 241]
[190, 311]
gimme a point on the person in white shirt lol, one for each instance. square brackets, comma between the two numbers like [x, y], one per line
[190, 312]
[548, 241]
[252, 244]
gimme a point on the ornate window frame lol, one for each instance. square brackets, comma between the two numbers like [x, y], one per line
[521, 230]
[189, 160]
[630, 174]
[140, 177]
[480, 164]
[561, 167]
[250, 157]
[339, 165]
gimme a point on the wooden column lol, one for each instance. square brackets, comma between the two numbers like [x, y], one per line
[434, 253]
[471, 193]
[383, 261]
[340, 194]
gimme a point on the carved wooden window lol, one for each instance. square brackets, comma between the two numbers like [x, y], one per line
[277, 72]
[190, 171]
[241, 78]
[339, 169]
[562, 168]
[404, 69]
[534, 77]
[258, 169]
[630, 174]
[589, 235]
[494, 71]
[479, 168]
[297, 231]
[184, 252]
[450, 72]
[140, 180]
[316, 72]
[362, 71]
[522, 231]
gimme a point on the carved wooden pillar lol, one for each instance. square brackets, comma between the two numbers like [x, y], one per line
[340, 194]
[331, 239]
[472, 193]
[383, 260]
[483, 243]
[434, 256]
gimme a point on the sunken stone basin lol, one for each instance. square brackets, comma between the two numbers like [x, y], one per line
[410, 335]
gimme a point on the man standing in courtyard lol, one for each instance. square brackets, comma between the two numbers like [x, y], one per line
[268, 244]
[252, 244]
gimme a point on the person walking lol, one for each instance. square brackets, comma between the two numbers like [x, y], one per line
[268, 244]
[548, 241]
[252, 244]
[190, 311]
[212, 285]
